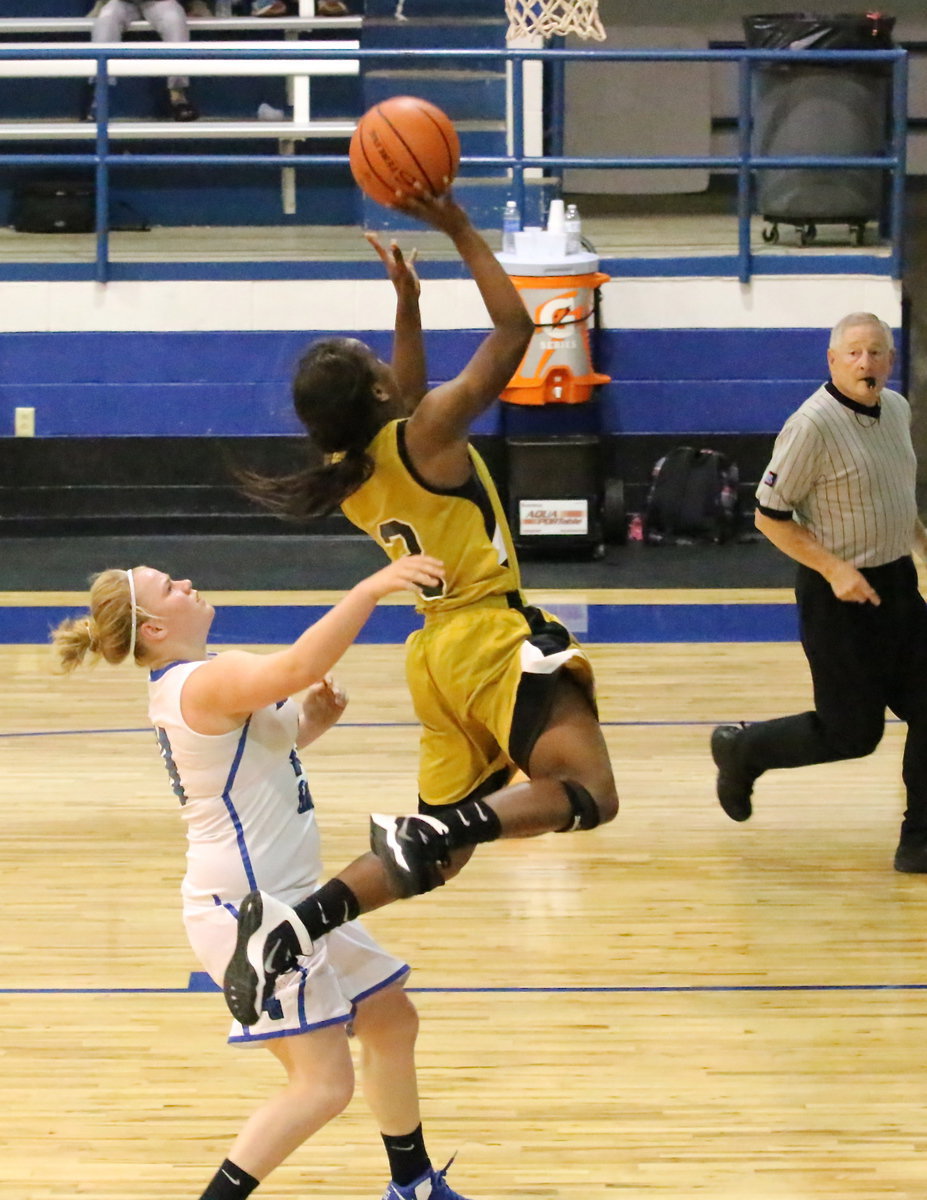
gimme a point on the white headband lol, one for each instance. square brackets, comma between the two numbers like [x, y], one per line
[131, 579]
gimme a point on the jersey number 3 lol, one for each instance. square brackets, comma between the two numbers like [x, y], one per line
[399, 531]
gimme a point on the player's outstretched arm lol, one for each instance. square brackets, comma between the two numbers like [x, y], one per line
[442, 420]
[238, 682]
[408, 360]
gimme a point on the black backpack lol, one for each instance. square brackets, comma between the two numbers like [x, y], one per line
[693, 497]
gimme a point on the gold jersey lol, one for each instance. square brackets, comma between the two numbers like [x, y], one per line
[465, 527]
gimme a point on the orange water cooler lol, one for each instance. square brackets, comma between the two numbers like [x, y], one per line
[559, 291]
[559, 499]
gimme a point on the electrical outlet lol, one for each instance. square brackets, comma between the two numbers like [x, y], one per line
[24, 422]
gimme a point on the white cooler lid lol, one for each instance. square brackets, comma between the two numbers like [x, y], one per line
[583, 263]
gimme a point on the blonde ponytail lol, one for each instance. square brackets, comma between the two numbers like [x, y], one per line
[107, 630]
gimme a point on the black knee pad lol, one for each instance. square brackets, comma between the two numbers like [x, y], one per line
[584, 809]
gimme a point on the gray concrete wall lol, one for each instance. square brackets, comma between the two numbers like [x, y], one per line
[720, 14]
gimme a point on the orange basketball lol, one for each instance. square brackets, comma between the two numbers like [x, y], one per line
[403, 146]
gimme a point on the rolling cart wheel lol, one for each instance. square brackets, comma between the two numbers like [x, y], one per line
[807, 234]
[771, 234]
[860, 232]
[614, 513]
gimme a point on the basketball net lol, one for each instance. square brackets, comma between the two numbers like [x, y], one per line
[553, 18]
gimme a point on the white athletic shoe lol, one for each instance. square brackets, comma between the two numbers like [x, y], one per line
[270, 939]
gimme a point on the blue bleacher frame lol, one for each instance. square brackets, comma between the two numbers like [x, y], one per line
[743, 265]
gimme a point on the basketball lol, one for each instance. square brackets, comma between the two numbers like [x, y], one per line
[404, 146]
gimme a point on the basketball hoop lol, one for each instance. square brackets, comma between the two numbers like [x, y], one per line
[553, 18]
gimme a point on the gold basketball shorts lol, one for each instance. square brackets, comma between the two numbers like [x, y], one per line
[482, 680]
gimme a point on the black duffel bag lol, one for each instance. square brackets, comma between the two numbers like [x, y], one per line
[54, 206]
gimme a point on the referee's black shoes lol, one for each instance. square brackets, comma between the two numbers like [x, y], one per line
[911, 855]
[734, 785]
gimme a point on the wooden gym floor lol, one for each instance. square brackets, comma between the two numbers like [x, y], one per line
[673, 1006]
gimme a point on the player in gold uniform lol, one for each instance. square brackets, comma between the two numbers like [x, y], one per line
[497, 684]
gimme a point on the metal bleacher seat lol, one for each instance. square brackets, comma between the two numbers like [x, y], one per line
[32, 33]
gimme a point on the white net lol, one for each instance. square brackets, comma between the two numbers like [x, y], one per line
[553, 18]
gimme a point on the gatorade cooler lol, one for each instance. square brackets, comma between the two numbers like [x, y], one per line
[556, 486]
[558, 289]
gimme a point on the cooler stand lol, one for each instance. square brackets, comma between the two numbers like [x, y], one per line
[559, 500]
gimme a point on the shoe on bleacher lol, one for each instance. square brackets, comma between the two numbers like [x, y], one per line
[270, 940]
[268, 8]
[181, 109]
[432, 1185]
[177, 106]
[331, 8]
[412, 849]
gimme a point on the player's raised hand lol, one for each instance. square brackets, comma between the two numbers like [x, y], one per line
[400, 268]
[441, 212]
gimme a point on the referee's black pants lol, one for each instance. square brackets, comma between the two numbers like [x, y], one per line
[864, 658]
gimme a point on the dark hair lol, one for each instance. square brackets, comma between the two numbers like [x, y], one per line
[333, 395]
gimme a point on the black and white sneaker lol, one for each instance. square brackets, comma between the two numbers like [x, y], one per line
[413, 849]
[270, 939]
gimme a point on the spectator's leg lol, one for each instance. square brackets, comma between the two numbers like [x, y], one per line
[113, 20]
[169, 20]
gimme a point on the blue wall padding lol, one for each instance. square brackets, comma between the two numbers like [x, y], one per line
[238, 383]
[626, 623]
[712, 353]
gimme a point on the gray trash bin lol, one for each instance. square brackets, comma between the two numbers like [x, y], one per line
[819, 109]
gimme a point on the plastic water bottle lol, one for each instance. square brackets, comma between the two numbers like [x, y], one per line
[573, 229]
[511, 224]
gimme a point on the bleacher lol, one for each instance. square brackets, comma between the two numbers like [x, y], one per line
[41, 92]
[43, 33]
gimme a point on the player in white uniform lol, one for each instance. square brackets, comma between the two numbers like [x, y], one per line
[251, 824]
[230, 745]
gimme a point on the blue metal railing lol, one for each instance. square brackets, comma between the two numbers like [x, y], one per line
[744, 163]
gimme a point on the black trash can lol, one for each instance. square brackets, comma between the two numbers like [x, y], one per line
[819, 109]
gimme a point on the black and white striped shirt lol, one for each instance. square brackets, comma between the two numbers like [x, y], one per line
[847, 474]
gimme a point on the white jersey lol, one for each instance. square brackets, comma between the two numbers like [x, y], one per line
[244, 798]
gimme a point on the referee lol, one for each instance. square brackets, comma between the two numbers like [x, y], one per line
[838, 496]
